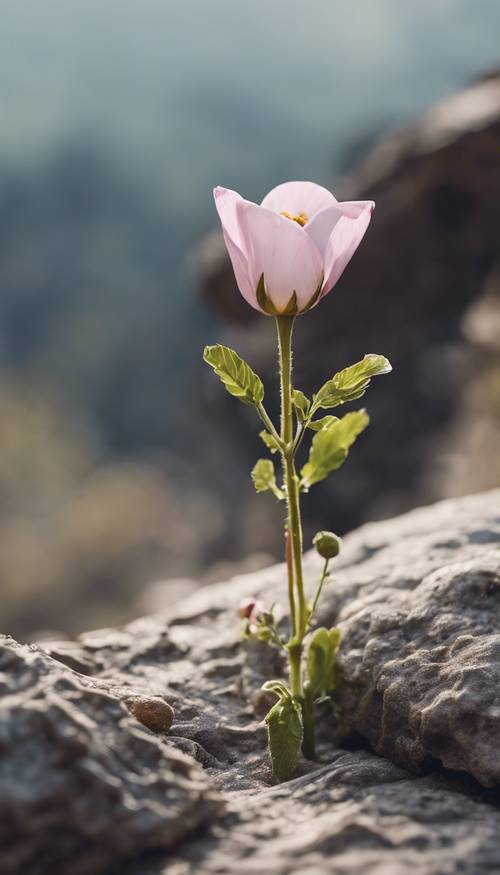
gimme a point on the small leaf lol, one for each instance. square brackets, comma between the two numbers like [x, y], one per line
[331, 445]
[318, 654]
[321, 656]
[237, 376]
[352, 382]
[324, 422]
[270, 441]
[285, 733]
[301, 403]
[264, 478]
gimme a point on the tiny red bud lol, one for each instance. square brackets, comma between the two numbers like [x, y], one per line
[246, 607]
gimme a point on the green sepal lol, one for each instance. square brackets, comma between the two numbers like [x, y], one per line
[265, 303]
[351, 383]
[330, 447]
[301, 403]
[315, 297]
[263, 299]
[236, 374]
[291, 307]
[285, 732]
[264, 478]
[270, 441]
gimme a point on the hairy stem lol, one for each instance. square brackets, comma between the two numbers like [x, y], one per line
[298, 604]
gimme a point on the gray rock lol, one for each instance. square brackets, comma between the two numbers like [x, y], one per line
[417, 599]
[82, 785]
[420, 621]
[423, 289]
[360, 815]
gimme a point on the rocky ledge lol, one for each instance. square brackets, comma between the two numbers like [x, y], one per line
[96, 778]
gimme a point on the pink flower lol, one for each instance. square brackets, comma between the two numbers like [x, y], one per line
[246, 607]
[291, 250]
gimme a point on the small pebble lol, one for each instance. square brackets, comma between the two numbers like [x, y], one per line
[151, 711]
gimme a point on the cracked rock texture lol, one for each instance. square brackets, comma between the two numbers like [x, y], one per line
[81, 784]
[417, 599]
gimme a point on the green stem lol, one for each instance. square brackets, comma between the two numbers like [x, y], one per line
[268, 422]
[308, 744]
[320, 587]
[298, 604]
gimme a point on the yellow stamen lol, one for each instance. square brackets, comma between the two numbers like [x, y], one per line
[301, 218]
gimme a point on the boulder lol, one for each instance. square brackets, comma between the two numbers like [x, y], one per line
[82, 784]
[415, 786]
[419, 290]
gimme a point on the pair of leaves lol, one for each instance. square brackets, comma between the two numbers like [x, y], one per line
[330, 446]
[236, 374]
[352, 382]
[321, 655]
[264, 478]
[285, 731]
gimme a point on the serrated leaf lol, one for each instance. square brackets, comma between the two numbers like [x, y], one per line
[324, 422]
[285, 733]
[301, 403]
[330, 446]
[352, 382]
[236, 374]
[270, 441]
[264, 478]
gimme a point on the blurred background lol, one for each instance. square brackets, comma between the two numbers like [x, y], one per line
[124, 467]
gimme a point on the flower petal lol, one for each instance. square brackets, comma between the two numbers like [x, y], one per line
[226, 203]
[298, 197]
[345, 238]
[279, 249]
[322, 224]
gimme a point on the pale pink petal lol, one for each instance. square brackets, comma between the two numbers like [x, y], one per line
[225, 202]
[298, 197]
[279, 248]
[322, 224]
[345, 238]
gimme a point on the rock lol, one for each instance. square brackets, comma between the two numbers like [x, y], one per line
[152, 711]
[358, 815]
[417, 599]
[419, 615]
[82, 785]
[426, 262]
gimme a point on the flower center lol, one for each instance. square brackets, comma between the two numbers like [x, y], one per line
[301, 219]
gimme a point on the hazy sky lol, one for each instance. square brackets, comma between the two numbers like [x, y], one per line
[216, 91]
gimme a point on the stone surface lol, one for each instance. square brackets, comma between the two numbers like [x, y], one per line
[417, 600]
[421, 290]
[82, 785]
[360, 815]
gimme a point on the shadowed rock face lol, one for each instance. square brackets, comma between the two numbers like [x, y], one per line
[425, 266]
[417, 599]
[81, 784]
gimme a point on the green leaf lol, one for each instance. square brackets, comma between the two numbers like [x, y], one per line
[321, 655]
[301, 403]
[318, 654]
[264, 478]
[237, 376]
[324, 422]
[285, 733]
[352, 382]
[331, 445]
[270, 441]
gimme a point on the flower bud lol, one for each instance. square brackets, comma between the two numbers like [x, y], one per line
[327, 544]
[246, 607]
